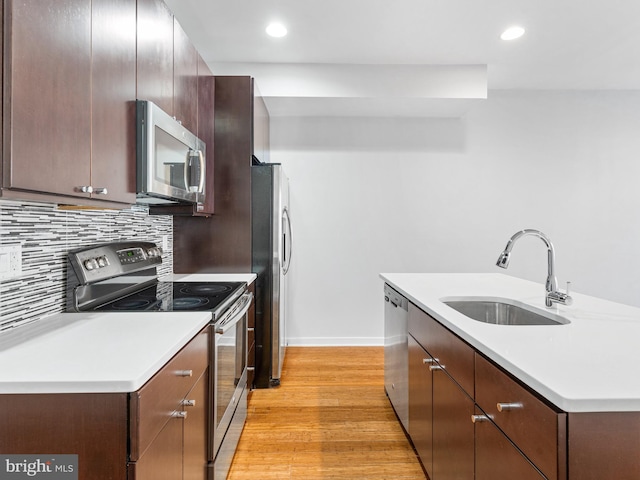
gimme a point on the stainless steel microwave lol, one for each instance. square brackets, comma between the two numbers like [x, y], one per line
[171, 164]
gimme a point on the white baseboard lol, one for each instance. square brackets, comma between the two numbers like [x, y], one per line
[336, 342]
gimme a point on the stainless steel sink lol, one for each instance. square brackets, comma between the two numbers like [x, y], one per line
[503, 312]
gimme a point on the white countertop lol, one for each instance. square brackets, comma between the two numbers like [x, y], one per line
[591, 364]
[99, 352]
[93, 352]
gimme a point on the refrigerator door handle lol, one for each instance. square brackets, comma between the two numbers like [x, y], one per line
[286, 255]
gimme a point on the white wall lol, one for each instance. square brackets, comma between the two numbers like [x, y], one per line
[373, 195]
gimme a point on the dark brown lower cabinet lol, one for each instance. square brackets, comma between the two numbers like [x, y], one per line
[194, 454]
[453, 433]
[498, 458]
[421, 403]
[524, 437]
[158, 432]
[163, 459]
[179, 451]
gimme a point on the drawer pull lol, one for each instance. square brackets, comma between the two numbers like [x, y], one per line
[188, 403]
[479, 418]
[179, 414]
[505, 407]
[184, 373]
[426, 361]
[436, 367]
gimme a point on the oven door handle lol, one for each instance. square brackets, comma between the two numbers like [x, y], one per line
[245, 304]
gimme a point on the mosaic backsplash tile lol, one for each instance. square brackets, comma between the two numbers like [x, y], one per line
[46, 234]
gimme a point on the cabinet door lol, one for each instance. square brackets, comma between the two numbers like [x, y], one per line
[453, 435]
[155, 54]
[113, 153]
[47, 144]
[421, 403]
[206, 117]
[261, 132]
[163, 459]
[195, 431]
[185, 79]
[498, 459]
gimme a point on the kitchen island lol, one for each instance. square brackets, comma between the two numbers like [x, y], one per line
[568, 388]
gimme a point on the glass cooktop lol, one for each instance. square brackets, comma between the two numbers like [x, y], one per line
[176, 296]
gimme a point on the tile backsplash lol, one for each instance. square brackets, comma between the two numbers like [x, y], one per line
[47, 233]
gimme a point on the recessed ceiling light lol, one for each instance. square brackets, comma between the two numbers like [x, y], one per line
[276, 30]
[512, 33]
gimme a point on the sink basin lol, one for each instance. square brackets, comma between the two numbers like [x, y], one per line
[503, 312]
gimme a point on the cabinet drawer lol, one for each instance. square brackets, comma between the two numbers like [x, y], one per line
[456, 356]
[153, 405]
[536, 428]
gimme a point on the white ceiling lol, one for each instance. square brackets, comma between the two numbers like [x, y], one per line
[569, 44]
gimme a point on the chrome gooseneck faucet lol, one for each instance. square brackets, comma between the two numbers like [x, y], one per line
[551, 286]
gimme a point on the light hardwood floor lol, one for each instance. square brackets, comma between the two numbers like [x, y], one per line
[329, 419]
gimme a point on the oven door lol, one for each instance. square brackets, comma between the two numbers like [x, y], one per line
[229, 369]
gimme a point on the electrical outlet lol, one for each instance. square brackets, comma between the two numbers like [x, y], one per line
[10, 261]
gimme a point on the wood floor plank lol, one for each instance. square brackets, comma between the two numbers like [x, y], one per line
[329, 419]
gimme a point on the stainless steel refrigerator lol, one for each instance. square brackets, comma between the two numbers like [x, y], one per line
[271, 259]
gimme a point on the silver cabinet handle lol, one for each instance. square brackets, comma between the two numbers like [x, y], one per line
[426, 361]
[184, 373]
[90, 189]
[189, 403]
[179, 414]
[505, 407]
[479, 418]
[436, 367]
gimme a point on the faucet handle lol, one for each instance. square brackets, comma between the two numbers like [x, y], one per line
[559, 297]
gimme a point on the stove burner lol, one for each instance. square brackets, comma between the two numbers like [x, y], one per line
[205, 289]
[131, 304]
[187, 303]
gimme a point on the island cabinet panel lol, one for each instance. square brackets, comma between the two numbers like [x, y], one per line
[440, 408]
[604, 445]
[47, 85]
[92, 426]
[538, 429]
[456, 356]
[453, 432]
[498, 458]
[421, 402]
[155, 53]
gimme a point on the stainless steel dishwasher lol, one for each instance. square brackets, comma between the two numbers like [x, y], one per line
[396, 353]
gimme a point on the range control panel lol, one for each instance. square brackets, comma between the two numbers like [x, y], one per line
[108, 260]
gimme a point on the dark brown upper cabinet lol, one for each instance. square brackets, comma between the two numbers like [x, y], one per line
[155, 54]
[185, 79]
[68, 84]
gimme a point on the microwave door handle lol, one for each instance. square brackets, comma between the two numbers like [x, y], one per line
[202, 172]
[224, 327]
[186, 170]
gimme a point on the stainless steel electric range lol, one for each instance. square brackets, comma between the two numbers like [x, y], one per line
[122, 277]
